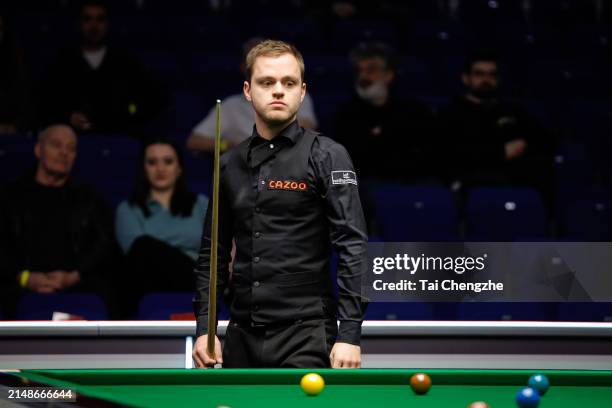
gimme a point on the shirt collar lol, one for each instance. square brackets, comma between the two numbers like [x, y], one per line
[260, 149]
[292, 132]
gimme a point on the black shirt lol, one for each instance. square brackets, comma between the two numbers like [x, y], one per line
[117, 96]
[45, 228]
[285, 202]
[391, 142]
[52, 243]
[475, 135]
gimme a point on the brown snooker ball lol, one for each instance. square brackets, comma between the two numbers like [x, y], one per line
[479, 404]
[420, 383]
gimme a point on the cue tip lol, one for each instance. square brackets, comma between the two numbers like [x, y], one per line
[218, 100]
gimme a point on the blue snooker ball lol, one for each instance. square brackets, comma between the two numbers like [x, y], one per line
[528, 398]
[539, 382]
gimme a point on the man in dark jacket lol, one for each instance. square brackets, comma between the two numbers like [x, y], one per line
[54, 233]
[388, 136]
[489, 140]
[99, 87]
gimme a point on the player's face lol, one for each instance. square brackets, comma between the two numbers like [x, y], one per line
[161, 166]
[276, 89]
[483, 77]
[94, 25]
[57, 151]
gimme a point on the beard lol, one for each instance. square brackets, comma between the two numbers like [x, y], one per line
[485, 93]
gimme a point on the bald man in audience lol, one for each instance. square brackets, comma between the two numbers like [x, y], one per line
[54, 232]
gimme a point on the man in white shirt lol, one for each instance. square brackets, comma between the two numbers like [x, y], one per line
[237, 118]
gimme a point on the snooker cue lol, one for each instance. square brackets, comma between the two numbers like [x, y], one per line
[212, 288]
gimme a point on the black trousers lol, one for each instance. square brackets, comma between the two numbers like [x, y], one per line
[299, 344]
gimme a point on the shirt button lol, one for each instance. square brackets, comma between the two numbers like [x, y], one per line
[257, 234]
[263, 182]
[256, 259]
[257, 209]
[256, 284]
[271, 146]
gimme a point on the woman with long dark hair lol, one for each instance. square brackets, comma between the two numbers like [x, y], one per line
[159, 228]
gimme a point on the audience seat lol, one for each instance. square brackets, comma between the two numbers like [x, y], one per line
[583, 311]
[399, 311]
[161, 306]
[37, 306]
[506, 311]
[406, 213]
[505, 214]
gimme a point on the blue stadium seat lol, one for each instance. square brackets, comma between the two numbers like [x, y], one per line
[505, 214]
[583, 311]
[326, 106]
[407, 213]
[414, 77]
[506, 311]
[114, 191]
[16, 156]
[187, 110]
[304, 33]
[198, 166]
[164, 67]
[436, 38]
[197, 33]
[107, 157]
[586, 214]
[136, 32]
[348, 33]
[214, 76]
[399, 311]
[36, 306]
[161, 306]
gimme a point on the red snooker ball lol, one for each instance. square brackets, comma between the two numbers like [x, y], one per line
[420, 383]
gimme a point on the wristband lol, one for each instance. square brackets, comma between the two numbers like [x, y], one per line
[223, 145]
[24, 278]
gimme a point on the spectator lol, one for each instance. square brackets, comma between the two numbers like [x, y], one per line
[489, 140]
[54, 232]
[159, 228]
[98, 87]
[387, 136]
[13, 81]
[237, 118]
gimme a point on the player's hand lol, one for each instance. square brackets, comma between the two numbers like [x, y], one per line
[200, 353]
[345, 355]
[515, 148]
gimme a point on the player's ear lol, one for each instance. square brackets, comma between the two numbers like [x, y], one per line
[303, 92]
[246, 89]
[37, 150]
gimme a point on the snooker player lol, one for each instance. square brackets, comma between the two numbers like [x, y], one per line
[286, 195]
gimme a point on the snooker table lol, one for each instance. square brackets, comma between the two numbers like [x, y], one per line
[371, 388]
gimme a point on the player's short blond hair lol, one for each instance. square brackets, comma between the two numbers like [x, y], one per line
[272, 48]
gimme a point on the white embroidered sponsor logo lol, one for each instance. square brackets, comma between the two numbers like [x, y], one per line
[344, 177]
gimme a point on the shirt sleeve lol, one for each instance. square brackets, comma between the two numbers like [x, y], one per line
[202, 268]
[348, 235]
[127, 226]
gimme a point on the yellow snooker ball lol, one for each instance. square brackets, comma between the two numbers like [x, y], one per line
[312, 384]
